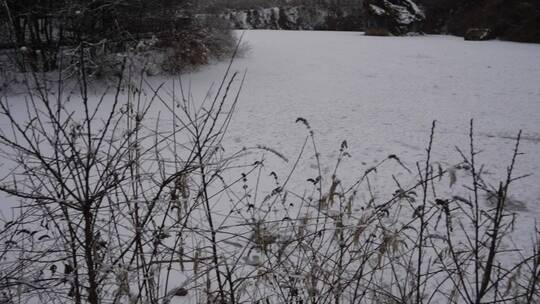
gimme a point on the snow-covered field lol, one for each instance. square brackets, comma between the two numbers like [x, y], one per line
[381, 94]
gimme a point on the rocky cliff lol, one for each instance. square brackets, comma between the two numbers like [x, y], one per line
[296, 18]
[395, 17]
[516, 20]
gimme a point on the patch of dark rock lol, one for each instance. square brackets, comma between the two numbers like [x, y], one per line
[478, 34]
[395, 17]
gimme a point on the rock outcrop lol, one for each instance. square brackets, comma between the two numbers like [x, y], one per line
[296, 18]
[392, 17]
[515, 20]
[478, 34]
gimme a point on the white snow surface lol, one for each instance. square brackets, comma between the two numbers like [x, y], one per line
[381, 94]
[377, 10]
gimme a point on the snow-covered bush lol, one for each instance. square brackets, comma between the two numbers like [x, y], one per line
[207, 39]
[96, 222]
[51, 35]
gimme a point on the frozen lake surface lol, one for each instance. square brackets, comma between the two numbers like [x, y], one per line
[381, 94]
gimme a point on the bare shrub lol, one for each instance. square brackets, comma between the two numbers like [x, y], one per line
[100, 196]
[50, 35]
[119, 206]
[377, 32]
[205, 41]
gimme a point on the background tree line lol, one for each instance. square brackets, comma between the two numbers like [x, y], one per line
[42, 30]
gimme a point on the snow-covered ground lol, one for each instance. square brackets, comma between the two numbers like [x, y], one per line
[381, 94]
